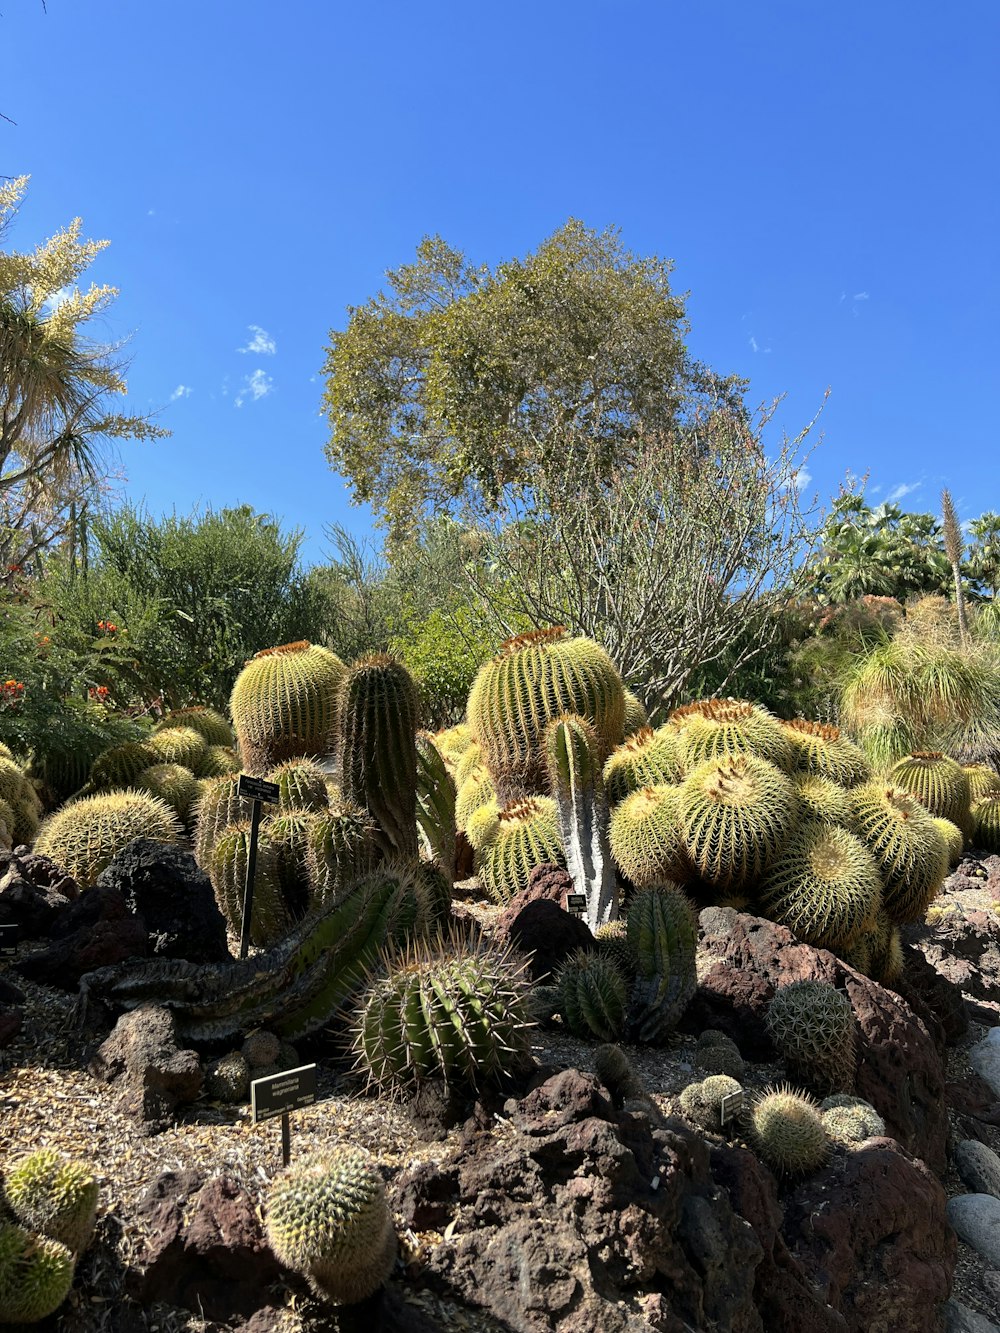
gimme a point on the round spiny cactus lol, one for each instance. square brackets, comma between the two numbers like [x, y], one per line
[662, 938]
[645, 836]
[616, 1071]
[470, 762]
[715, 1053]
[121, 765]
[217, 761]
[824, 886]
[301, 784]
[483, 825]
[535, 679]
[736, 814]
[7, 823]
[86, 835]
[261, 1048]
[636, 716]
[36, 1274]
[823, 800]
[721, 728]
[986, 823]
[612, 942]
[271, 918]
[851, 1124]
[909, 851]
[328, 1218]
[982, 781]
[476, 792]
[821, 749]
[49, 1194]
[954, 839]
[645, 759]
[525, 836]
[788, 1133]
[444, 1010]
[342, 847]
[218, 806]
[592, 995]
[178, 745]
[173, 783]
[812, 1025]
[452, 744]
[701, 1103]
[284, 703]
[228, 1079]
[19, 793]
[293, 834]
[940, 784]
[212, 726]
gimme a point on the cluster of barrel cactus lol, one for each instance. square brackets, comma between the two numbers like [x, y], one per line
[48, 1206]
[20, 808]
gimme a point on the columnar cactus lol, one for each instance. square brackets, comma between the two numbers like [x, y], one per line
[736, 814]
[436, 796]
[812, 1024]
[284, 703]
[662, 936]
[582, 812]
[592, 995]
[535, 679]
[86, 835]
[328, 1218]
[376, 748]
[49, 1194]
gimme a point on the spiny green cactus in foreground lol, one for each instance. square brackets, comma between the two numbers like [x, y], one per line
[445, 1010]
[645, 836]
[86, 835]
[824, 886]
[592, 995]
[722, 728]
[736, 814]
[646, 758]
[788, 1133]
[940, 784]
[662, 937]
[852, 1124]
[51, 1195]
[535, 679]
[328, 1218]
[36, 1274]
[909, 851]
[812, 1024]
[702, 1102]
[284, 703]
[525, 836]
[376, 748]
[206, 721]
[986, 823]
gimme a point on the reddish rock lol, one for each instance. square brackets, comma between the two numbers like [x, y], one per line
[899, 1070]
[870, 1232]
[205, 1248]
[152, 1073]
[546, 883]
[95, 931]
[545, 933]
[964, 946]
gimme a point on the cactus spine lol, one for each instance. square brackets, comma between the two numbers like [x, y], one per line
[582, 812]
[284, 703]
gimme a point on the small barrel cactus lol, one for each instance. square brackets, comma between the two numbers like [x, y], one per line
[982, 781]
[788, 1133]
[822, 800]
[615, 1070]
[50, 1194]
[178, 745]
[736, 814]
[850, 1120]
[228, 1078]
[812, 1024]
[715, 1053]
[940, 784]
[36, 1274]
[525, 836]
[909, 851]
[121, 765]
[821, 749]
[646, 838]
[342, 847]
[206, 721]
[328, 1218]
[954, 839]
[612, 941]
[261, 1048]
[592, 995]
[722, 728]
[218, 806]
[986, 822]
[702, 1102]
[301, 784]
[217, 761]
[173, 783]
[647, 758]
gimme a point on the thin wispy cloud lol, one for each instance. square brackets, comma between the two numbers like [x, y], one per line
[254, 388]
[55, 299]
[261, 343]
[860, 296]
[755, 345]
[182, 391]
[903, 489]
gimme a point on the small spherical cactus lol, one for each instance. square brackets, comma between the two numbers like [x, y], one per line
[36, 1274]
[55, 1196]
[702, 1102]
[850, 1121]
[812, 1024]
[179, 745]
[788, 1133]
[228, 1079]
[328, 1218]
[715, 1053]
[261, 1048]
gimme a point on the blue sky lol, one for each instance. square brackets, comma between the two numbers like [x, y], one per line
[823, 175]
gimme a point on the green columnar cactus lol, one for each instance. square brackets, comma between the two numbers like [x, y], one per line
[217, 761]
[292, 834]
[525, 836]
[174, 784]
[615, 1070]
[636, 716]
[701, 1103]
[592, 995]
[574, 770]
[662, 936]
[535, 679]
[788, 1133]
[824, 886]
[812, 1024]
[218, 806]
[647, 758]
[954, 839]
[982, 781]
[377, 748]
[736, 814]
[446, 1010]
[271, 915]
[121, 765]
[822, 750]
[284, 703]
[212, 726]
[823, 800]
[49, 1194]
[328, 1218]
[86, 835]
[910, 852]
[940, 784]
[986, 823]
[722, 728]
[646, 838]
[342, 847]
[301, 784]
[178, 745]
[436, 797]
[36, 1274]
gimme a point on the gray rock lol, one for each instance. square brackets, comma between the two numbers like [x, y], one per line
[960, 1319]
[985, 1059]
[153, 1075]
[991, 1283]
[979, 1167]
[976, 1219]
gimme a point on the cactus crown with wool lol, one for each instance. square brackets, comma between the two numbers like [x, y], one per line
[535, 679]
[910, 852]
[36, 1274]
[645, 836]
[788, 1132]
[824, 886]
[821, 749]
[812, 1024]
[736, 814]
[284, 703]
[592, 995]
[48, 1193]
[525, 836]
[645, 759]
[719, 728]
[86, 835]
[444, 1010]
[328, 1218]
[940, 784]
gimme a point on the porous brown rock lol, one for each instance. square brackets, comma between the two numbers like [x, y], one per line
[545, 933]
[28, 906]
[96, 930]
[153, 1075]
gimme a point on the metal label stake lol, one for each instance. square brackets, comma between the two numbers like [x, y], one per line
[258, 791]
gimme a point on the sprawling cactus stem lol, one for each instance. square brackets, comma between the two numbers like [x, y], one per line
[376, 748]
[575, 780]
[436, 796]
